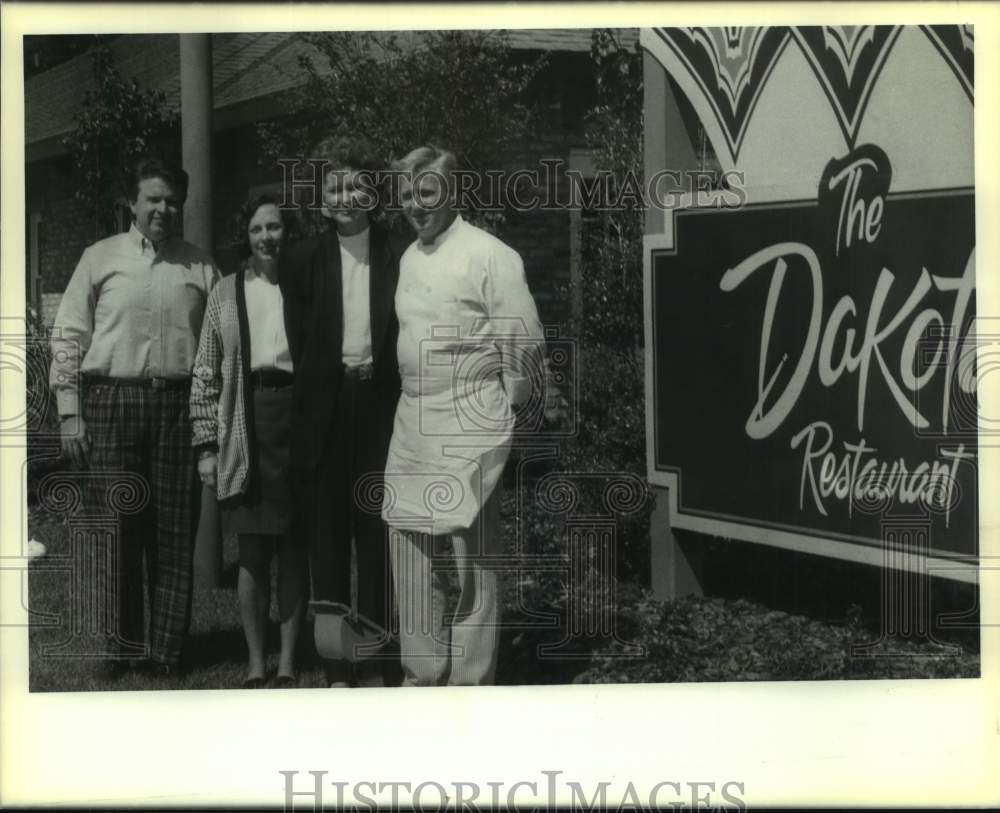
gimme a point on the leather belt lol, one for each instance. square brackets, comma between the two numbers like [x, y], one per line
[271, 379]
[363, 372]
[144, 383]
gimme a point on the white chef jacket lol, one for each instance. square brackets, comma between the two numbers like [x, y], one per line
[470, 348]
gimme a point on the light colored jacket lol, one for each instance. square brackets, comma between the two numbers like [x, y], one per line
[221, 403]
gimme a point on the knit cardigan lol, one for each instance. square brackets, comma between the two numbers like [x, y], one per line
[221, 403]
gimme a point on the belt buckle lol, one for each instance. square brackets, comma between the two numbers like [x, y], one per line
[158, 383]
[366, 372]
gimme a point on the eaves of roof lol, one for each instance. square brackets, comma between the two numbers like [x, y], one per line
[246, 66]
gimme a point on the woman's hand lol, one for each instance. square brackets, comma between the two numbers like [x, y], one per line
[208, 465]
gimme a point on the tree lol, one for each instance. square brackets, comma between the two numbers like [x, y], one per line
[612, 250]
[119, 123]
[459, 89]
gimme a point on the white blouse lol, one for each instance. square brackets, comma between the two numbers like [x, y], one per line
[266, 318]
[356, 272]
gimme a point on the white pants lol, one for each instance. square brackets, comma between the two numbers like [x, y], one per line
[433, 654]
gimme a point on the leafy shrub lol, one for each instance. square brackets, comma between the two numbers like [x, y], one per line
[118, 123]
[711, 639]
[612, 439]
[461, 90]
[556, 592]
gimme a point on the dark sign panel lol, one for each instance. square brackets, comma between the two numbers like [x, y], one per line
[814, 370]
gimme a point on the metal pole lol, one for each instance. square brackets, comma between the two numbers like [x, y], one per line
[196, 150]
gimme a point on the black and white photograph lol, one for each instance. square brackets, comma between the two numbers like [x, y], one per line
[358, 361]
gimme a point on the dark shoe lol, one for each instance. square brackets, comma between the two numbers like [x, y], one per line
[392, 671]
[369, 675]
[339, 674]
[255, 683]
[284, 682]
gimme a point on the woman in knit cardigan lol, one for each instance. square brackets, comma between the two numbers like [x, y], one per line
[241, 406]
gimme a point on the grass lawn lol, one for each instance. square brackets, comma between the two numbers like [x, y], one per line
[691, 639]
[216, 649]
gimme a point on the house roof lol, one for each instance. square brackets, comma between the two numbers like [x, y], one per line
[246, 66]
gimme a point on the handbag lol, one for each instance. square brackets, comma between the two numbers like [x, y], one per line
[342, 633]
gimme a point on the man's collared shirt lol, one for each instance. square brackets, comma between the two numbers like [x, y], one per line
[131, 310]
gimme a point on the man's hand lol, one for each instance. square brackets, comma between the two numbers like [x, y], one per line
[73, 433]
[208, 466]
[555, 413]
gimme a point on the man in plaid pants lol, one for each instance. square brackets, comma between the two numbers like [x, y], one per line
[124, 342]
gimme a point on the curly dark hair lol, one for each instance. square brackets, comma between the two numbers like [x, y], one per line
[245, 214]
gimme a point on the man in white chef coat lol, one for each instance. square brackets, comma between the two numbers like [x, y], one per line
[471, 350]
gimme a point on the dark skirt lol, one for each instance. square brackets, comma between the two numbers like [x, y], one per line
[267, 508]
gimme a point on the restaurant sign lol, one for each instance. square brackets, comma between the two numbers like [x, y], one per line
[812, 381]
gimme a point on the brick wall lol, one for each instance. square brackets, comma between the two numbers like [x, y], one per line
[64, 233]
[65, 228]
[50, 306]
[543, 236]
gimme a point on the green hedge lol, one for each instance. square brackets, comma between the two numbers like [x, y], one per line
[711, 639]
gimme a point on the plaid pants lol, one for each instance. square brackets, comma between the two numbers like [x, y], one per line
[146, 432]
